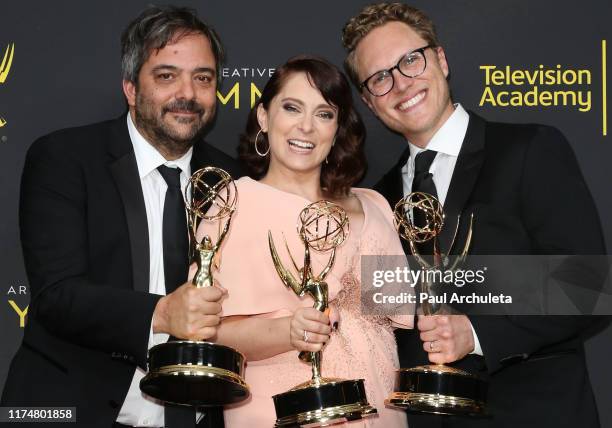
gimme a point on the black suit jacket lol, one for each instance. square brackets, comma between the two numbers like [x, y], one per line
[85, 243]
[524, 187]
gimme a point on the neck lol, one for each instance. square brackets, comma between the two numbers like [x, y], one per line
[304, 184]
[170, 152]
[422, 139]
[419, 141]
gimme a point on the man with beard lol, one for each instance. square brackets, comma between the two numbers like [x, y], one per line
[105, 238]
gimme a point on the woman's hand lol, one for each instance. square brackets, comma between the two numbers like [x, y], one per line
[309, 329]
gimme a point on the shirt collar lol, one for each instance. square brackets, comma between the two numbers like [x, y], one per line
[449, 138]
[147, 156]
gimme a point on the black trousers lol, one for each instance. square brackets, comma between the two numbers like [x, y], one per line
[213, 418]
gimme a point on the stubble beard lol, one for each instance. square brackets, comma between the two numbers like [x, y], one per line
[169, 141]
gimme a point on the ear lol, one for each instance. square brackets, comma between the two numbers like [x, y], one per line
[442, 61]
[129, 90]
[262, 117]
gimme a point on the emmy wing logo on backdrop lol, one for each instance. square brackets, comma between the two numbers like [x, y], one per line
[547, 86]
[5, 67]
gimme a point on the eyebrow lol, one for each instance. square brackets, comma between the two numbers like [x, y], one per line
[175, 68]
[295, 100]
[398, 60]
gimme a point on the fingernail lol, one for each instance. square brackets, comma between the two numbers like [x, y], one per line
[335, 326]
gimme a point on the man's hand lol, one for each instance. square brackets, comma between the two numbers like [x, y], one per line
[446, 338]
[189, 312]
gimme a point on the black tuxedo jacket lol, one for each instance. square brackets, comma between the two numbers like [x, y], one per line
[524, 187]
[85, 243]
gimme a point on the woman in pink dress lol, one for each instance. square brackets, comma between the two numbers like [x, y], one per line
[304, 143]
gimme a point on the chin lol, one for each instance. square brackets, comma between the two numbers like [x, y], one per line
[302, 168]
[183, 133]
[311, 168]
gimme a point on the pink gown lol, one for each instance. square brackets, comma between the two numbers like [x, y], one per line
[363, 347]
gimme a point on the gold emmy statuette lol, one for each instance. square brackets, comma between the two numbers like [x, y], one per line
[193, 372]
[438, 388]
[322, 226]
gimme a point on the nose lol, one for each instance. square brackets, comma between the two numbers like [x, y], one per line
[401, 82]
[185, 89]
[305, 124]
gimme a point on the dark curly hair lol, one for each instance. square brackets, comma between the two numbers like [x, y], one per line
[346, 162]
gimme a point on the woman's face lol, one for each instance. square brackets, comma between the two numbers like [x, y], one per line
[300, 125]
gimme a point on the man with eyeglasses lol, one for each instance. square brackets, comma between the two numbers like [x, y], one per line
[515, 179]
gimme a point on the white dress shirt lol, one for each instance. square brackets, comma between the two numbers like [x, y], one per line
[447, 142]
[138, 409]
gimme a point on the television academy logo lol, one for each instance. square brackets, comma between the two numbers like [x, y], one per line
[545, 86]
[5, 67]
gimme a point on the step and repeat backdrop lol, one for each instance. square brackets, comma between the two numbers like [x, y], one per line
[511, 60]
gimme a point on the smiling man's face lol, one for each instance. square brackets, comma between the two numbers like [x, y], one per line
[176, 94]
[416, 107]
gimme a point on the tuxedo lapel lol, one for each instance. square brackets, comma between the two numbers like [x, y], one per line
[198, 157]
[395, 189]
[467, 169]
[391, 186]
[125, 173]
[206, 155]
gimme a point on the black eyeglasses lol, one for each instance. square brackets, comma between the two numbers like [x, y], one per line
[412, 64]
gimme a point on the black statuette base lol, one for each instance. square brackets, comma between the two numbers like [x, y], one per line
[195, 373]
[330, 402]
[439, 390]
